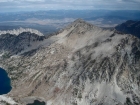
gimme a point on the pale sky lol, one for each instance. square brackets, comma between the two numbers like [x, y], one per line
[30, 5]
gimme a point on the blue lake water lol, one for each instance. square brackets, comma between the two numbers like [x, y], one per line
[5, 82]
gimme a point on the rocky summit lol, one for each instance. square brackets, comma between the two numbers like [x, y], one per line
[81, 65]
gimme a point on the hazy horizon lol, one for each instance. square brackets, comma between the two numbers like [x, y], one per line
[37, 5]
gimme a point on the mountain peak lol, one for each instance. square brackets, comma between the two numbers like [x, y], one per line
[80, 23]
[84, 65]
[79, 20]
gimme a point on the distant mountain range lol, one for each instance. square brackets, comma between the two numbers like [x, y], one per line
[51, 21]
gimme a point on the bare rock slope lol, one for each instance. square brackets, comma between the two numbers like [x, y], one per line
[82, 65]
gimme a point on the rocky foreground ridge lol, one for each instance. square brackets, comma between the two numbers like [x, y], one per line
[82, 65]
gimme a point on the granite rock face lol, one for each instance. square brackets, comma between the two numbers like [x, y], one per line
[82, 65]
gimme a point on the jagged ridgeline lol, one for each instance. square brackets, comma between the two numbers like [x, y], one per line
[130, 27]
[81, 65]
[11, 43]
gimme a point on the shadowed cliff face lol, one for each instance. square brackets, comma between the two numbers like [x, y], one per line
[130, 27]
[36, 102]
[82, 65]
[13, 44]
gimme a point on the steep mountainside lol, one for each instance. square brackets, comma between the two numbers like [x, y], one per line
[82, 65]
[130, 27]
[14, 44]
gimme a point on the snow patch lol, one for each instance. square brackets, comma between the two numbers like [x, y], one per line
[21, 30]
[7, 100]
